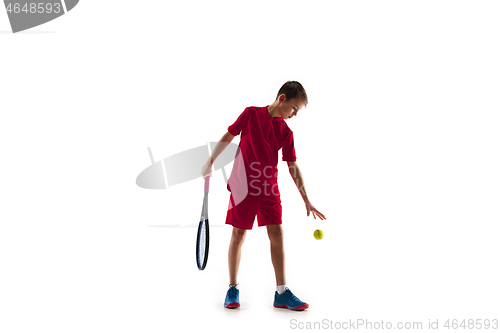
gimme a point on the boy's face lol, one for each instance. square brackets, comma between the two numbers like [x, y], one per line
[289, 108]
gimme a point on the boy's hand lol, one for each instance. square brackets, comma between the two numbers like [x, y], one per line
[311, 208]
[206, 170]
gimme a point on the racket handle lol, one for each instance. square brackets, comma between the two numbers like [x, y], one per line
[207, 183]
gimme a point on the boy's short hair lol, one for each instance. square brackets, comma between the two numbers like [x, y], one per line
[293, 89]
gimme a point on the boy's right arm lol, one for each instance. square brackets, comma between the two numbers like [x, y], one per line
[206, 170]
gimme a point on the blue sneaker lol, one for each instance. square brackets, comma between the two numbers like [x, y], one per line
[289, 300]
[232, 298]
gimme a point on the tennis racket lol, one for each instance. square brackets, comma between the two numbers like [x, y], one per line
[202, 240]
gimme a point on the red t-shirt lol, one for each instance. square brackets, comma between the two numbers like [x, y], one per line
[262, 136]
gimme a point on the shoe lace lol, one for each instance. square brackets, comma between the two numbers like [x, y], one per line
[293, 298]
[232, 292]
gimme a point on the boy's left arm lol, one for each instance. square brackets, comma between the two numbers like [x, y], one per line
[294, 170]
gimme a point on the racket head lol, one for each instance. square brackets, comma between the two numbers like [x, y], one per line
[202, 242]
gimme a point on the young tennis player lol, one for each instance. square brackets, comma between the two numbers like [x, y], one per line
[254, 188]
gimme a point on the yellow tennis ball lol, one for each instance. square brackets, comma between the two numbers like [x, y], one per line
[318, 234]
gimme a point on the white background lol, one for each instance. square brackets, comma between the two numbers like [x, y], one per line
[398, 148]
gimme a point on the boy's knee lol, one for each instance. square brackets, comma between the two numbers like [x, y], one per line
[239, 234]
[275, 233]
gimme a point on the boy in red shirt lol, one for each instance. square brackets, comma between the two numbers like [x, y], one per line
[254, 188]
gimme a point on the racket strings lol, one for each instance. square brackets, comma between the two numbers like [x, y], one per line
[202, 244]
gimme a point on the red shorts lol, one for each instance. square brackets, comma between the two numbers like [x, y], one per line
[242, 215]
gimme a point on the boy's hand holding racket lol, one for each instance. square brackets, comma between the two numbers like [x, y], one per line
[206, 170]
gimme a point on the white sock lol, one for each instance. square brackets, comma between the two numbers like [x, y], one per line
[281, 289]
[234, 285]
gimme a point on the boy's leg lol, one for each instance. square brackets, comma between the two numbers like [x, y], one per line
[234, 254]
[275, 233]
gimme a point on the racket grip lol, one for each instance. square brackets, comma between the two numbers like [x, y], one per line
[207, 183]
